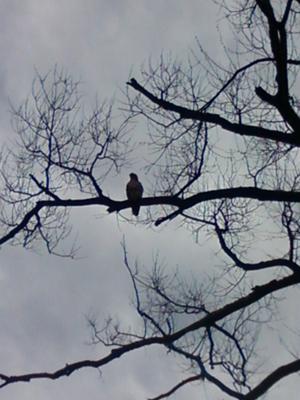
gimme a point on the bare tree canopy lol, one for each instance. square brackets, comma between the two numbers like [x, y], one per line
[222, 138]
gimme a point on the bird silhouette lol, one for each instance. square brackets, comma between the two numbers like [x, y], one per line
[134, 191]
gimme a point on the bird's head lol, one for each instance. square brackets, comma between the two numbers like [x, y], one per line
[133, 176]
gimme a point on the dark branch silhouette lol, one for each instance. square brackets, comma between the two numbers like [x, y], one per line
[210, 319]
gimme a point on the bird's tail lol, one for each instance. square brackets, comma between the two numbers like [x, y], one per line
[135, 210]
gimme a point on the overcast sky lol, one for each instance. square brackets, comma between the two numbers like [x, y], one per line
[44, 299]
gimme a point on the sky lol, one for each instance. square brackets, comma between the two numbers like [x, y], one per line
[45, 299]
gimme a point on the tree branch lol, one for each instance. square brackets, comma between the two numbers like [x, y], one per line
[70, 368]
[209, 320]
[178, 386]
[278, 262]
[278, 40]
[241, 129]
[182, 204]
[273, 378]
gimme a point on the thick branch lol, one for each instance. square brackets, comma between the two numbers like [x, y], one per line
[273, 378]
[231, 193]
[209, 320]
[257, 294]
[241, 129]
[70, 368]
[182, 204]
[278, 39]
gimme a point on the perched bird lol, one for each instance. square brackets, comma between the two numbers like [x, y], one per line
[134, 191]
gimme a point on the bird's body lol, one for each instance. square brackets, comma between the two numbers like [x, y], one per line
[134, 191]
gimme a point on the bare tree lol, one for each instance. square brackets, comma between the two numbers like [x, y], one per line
[226, 146]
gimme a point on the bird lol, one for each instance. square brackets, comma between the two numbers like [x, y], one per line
[134, 191]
